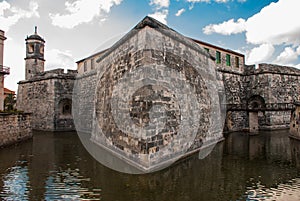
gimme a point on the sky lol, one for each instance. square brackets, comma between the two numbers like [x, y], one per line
[266, 31]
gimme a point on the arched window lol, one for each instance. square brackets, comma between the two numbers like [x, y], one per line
[256, 102]
[30, 48]
[65, 107]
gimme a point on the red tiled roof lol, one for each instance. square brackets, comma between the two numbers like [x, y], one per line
[8, 91]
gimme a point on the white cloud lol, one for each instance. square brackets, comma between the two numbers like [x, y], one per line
[3, 6]
[274, 21]
[10, 15]
[59, 59]
[179, 12]
[82, 11]
[196, 1]
[208, 1]
[275, 24]
[298, 50]
[160, 3]
[221, 1]
[160, 16]
[226, 28]
[161, 10]
[287, 57]
[260, 54]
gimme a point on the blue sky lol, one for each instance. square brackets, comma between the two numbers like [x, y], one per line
[263, 30]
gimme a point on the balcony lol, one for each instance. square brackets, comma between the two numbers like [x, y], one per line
[4, 70]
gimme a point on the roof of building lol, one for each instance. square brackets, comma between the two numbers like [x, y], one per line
[95, 54]
[217, 47]
[35, 36]
[148, 21]
[8, 91]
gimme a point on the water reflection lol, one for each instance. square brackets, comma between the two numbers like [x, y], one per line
[57, 167]
[16, 182]
[67, 185]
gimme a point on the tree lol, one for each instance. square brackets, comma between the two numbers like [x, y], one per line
[9, 102]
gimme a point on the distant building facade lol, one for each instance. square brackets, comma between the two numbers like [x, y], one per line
[45, 94]
[3, 70]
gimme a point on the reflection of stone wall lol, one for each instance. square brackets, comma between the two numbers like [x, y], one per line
[295, 122]
[14, 128]
[295, 152]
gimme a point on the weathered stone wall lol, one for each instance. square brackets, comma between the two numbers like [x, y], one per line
[44, 96]
[63, 90]
[276, 84]
[236, 120]
[162, 51]
[295, 122]
[33, 67]
[237, 116]
[14, 128]
[278, 87]
[273, 88]
[37, 97]
[277, 120]
[234, 89]
[84, 101]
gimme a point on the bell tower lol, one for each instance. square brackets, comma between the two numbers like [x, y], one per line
[34, 61]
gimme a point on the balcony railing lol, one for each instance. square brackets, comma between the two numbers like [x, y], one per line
[4, 70]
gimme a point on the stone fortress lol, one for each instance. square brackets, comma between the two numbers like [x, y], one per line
[256, 98]
[45, 94]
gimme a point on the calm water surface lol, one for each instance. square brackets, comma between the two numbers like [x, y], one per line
[55, 166]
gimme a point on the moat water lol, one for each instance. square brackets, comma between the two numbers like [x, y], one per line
[55, 166]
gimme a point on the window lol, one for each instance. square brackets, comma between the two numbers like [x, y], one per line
[218, 57]
[228, 60]
[92, 63]
[42, 50]
[206, 49]
[66, 109]
[65, 106]
[30, 48]
[237, 62]
[85, 66]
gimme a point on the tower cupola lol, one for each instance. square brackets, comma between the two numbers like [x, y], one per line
[34, 61]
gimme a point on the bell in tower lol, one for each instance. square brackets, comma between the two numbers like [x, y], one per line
[34, 61]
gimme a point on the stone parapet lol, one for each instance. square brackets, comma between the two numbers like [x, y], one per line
[14, 128]
[271, 69]
[52, 74]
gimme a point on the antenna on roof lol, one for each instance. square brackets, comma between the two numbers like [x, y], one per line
[35, 30]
